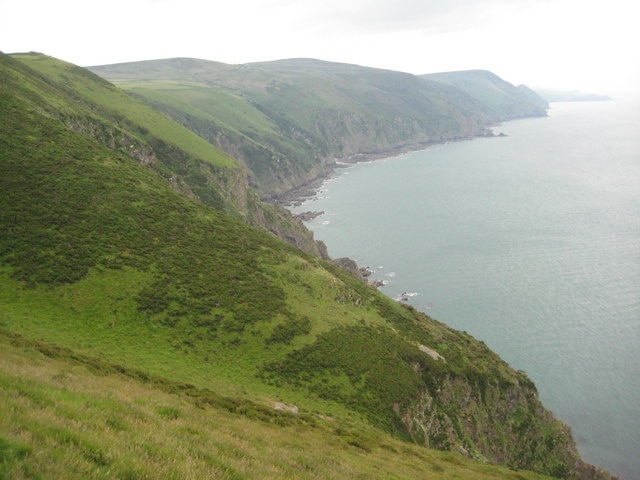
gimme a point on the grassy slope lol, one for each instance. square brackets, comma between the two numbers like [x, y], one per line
[499, 99]
[102, 255]
[293, 116]
[89, 105]
[65, 418]
[80, 84]
[99, 255]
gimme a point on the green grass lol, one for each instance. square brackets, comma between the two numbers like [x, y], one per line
[201, 101]
[497, 99]
[92, 88]
[104, 265]
[61, 420]
[286, 120]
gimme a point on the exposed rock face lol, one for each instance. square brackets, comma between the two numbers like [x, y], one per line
[432, 353]
[363, 273]
[283, 407]
[283, 224]
[504, 424]
[111, 137]
[307, 216]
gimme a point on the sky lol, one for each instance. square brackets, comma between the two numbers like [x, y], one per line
[585, 45]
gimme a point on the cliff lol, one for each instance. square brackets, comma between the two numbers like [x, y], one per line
[93, 107]
[289, 120]
[120, 271]
[498, 99]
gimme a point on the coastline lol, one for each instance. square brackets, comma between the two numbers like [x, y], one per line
[561, 402]
[298, 195]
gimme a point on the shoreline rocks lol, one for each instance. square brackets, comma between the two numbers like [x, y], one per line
[308, 216]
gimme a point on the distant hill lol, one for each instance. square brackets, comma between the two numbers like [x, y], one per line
[497, 98]
[147, 331]
[289, 120]
[570, 96]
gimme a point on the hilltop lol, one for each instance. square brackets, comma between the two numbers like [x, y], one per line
[290, 120]
[144, 317]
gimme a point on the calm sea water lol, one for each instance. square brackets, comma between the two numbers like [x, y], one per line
[530, 242]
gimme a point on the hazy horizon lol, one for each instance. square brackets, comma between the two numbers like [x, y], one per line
[565, 44]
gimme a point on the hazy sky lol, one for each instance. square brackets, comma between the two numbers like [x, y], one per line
[586, 45]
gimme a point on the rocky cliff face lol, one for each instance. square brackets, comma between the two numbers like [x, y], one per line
[281, 223]
[503, 424]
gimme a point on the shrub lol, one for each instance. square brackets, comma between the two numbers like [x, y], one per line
[287, 331]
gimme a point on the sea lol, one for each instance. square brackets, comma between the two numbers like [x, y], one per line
[528, 241]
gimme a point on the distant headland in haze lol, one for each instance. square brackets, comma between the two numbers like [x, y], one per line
[551, 95]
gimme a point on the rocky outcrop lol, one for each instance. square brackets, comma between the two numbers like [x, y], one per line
[503, 424]
[283, 224]
[308, 216]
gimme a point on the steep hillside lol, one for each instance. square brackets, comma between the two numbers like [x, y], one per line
[289, 120]
[93, 107]
[497, 98]
[72, 417]
[118, 279]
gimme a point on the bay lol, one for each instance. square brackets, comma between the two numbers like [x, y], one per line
[531, 243]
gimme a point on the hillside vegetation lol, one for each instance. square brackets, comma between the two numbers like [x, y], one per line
[147, 333]
[497, 98]
[93, 107]
[289, 120]
[68, 417]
